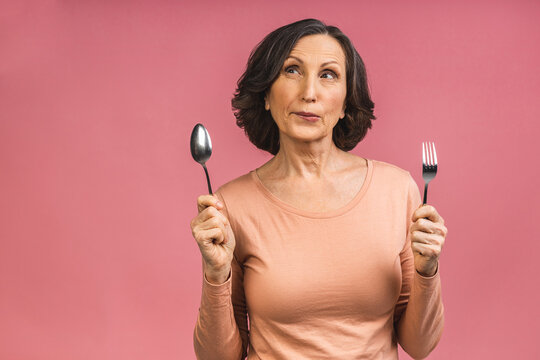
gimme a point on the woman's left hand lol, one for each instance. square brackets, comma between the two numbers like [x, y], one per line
[427, 239]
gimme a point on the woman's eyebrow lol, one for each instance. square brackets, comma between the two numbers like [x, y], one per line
[301, 61]
[330, 62]
[294, 57]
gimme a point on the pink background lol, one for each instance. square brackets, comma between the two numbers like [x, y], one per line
[97, 185]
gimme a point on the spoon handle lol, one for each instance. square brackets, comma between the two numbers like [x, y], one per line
[207, 179]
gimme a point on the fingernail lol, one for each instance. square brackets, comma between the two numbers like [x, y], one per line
[219, 204]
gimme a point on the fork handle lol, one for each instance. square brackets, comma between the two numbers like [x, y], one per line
[425, 193]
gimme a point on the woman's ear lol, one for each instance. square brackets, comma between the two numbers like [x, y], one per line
[342, 115]
[266, 104]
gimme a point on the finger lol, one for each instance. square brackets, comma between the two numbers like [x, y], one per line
[205, 237]
[211, 212]
[428, 212]
[425, 238]
[212, 218]
[428, 226]
[204, 201]
[214, 223]
[430, 251]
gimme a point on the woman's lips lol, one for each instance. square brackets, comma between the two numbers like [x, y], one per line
[308, 116]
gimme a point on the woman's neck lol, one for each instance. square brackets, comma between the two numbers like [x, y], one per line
[308, 160]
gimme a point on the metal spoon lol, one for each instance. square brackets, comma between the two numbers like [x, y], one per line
[201, 149]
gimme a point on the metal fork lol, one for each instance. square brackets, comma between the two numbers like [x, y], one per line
[429, 165]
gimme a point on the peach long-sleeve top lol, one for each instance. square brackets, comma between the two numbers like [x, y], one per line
[335, 285]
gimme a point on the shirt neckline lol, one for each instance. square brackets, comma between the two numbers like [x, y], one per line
[317, 215]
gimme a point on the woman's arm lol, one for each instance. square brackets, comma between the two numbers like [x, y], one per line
[419, 313]
[221, 331]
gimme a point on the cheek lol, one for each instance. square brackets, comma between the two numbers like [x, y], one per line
[338, 103]
[280, 102]
[279, 92]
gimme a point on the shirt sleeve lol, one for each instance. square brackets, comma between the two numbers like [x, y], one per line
[221, 331]
[419, 312]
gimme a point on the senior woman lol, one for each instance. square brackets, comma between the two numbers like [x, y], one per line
[330, 255]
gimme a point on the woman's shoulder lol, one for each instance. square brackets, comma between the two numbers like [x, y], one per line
[386, 166]
[390, 172]
[240, 185]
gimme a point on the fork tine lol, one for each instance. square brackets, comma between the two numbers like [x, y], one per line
[424, 153]
[434, 155]
[430, 153]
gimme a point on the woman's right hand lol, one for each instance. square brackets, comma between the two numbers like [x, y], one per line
[213, 233]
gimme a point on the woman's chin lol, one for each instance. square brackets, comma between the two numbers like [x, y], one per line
[310, 139]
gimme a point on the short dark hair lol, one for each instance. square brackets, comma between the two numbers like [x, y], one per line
[263, 68]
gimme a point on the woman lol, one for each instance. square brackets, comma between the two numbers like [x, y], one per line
[330, 254]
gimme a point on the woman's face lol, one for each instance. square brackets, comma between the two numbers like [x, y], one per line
[308, 97]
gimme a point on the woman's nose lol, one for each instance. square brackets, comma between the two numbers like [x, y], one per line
[309, 89]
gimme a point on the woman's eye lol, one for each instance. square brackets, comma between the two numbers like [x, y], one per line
[329, 74]
[291, 70]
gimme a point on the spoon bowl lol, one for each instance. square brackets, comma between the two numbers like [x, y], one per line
[201, 149]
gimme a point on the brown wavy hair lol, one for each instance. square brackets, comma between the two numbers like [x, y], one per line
[263, 68]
